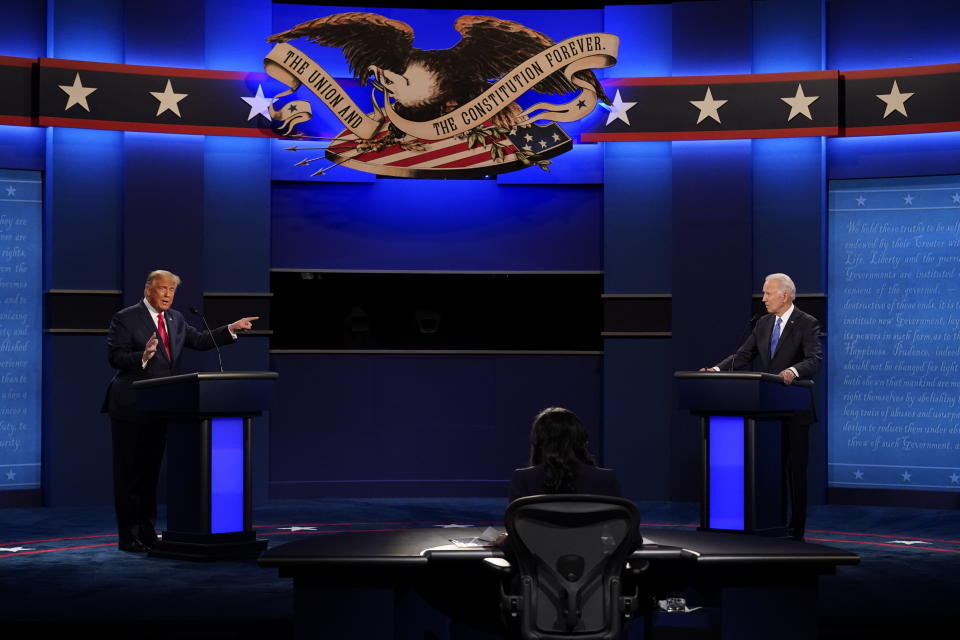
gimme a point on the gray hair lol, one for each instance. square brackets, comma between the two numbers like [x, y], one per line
[786, 284]
[160, 273]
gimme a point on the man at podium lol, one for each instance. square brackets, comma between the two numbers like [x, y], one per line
[145, 341]
[785, 342]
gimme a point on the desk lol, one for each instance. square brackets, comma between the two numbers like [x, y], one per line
[377, 584]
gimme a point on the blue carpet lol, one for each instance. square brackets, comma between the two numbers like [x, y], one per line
[60, 570]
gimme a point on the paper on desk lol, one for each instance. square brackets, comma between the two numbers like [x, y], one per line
[487, 538]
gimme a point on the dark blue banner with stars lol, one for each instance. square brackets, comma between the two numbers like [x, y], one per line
[131, 98]
[51, 92]
[766, 105]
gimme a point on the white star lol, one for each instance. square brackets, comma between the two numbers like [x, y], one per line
[556, 137]
[858, 474]
[861, 201]
[955, 479]
[895, 100]
[542, 143]
[708, 107]
[956, 198]
[527, 147]
[11, 191]
[908, 199]
[77, 93]
[528, 138]
[454, 526]
[908, 542]
[292, 529]
[906, 476]
[11, 474]
[259, 104]
[800, 104]
[15, 549]
[618, 110]
[168, 99]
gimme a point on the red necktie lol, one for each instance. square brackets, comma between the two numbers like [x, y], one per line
[162, 329]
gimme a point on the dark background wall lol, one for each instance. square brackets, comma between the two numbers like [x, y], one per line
[695, 223]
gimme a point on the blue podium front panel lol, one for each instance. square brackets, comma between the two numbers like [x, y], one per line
[227, 475]
[726, 472]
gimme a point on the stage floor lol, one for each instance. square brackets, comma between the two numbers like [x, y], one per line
[60, 569]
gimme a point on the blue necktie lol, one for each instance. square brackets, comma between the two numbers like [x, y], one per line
[775, 338]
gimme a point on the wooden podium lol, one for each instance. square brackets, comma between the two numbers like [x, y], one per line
[208, 460]
[743, 484]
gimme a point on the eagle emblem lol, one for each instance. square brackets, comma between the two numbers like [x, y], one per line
[441, 113]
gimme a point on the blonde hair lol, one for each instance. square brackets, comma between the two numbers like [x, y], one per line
[160, 273]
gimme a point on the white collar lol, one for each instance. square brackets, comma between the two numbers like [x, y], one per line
[785, 317]
[153, 312]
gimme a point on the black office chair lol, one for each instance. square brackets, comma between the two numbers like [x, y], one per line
[571, 555]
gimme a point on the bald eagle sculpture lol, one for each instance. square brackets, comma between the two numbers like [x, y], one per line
[426, 84]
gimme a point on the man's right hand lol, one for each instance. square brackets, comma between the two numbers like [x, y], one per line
[151, 348]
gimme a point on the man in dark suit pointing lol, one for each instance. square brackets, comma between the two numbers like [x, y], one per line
[146, 341]
[785, 342]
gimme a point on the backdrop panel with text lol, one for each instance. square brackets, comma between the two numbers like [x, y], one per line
[21, 282]
[894, 342]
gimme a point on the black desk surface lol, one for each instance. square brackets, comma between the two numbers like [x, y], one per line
[423, 547]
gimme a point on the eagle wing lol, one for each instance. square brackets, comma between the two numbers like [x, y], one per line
[492, 47]
[366, 39]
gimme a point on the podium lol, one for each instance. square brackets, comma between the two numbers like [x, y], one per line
[743, 485]
[208, 460]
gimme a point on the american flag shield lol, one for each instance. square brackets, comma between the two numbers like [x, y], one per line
[482, 152]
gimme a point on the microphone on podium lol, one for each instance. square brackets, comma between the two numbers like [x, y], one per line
[196, 311]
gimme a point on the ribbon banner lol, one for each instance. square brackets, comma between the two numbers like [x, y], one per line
[465, 142]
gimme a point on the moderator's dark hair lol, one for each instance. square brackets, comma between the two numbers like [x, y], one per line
[559, 442]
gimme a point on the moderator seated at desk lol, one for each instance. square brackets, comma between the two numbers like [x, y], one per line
[766, 587]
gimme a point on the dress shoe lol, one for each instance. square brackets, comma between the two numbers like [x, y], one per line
[133, 546]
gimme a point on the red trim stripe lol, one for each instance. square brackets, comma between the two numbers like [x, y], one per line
[35, 551]
[883, 130]
[349, 524]
[19, 121]
[100, 535]
[283, 533]
[884, 535]
[78, 123]
[734, 79]
[895, 72]
[11, 61]
[175, 72]
[710, 135]
[884, 544]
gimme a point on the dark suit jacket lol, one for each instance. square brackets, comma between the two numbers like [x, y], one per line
[590, 479]
[130, 329]
[799, 347]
